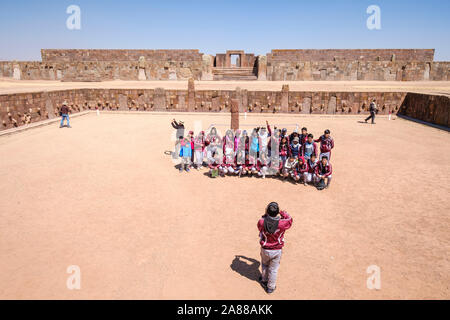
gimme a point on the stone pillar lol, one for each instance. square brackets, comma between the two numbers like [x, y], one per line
[262, 68]
[123, 102]
[207, 65]
[234, 114]
[191, 95]
[16, 71]
[285, 98]
[239, 98]
[142, 76]
[49, 108]
[159, 99]
[181, 97]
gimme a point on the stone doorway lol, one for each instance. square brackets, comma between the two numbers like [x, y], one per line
[235, 60]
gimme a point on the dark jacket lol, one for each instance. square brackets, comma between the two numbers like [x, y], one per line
[180, 129]
[64, 110]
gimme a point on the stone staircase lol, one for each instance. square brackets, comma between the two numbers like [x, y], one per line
[234, 73]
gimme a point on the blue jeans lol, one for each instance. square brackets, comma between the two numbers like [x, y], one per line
[65, 116]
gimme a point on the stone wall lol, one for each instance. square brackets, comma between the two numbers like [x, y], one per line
[97, 55]
[279, 65]
[423, 55]
[430, 108]
[20, 109]
[357, 70]
[361, 64]
[103, 65]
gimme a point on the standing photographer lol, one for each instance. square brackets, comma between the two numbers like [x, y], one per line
[272, 227]
[179, 136]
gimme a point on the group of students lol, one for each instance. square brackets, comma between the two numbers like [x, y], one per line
[263, 152]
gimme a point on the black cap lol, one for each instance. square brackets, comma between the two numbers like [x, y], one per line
[272, 209]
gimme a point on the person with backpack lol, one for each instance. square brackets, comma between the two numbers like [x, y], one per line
[272, 226]
[373, 110]
[64, 113]
[324, 172]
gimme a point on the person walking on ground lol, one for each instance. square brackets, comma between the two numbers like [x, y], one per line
[373, 110]
[272, 227]
[64, 112]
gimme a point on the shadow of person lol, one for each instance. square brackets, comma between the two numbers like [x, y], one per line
[246, 267]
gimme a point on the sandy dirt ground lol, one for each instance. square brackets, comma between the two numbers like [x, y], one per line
[105, 196]
[7, 85]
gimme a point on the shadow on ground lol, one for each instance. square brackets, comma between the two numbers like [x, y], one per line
[247, 267]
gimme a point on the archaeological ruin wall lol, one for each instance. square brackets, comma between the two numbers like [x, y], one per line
[104, 65]
[352, 65]
[427, 107]
[279, 65]
[23, 108]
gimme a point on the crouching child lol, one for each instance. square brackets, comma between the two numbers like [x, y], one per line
[324, 171]
[311, 173]
[290, 167]
[302, 170]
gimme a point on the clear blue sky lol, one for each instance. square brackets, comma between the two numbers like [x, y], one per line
[214, 26]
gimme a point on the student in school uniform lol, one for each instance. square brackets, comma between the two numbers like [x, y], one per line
[326, 145]
[296, 148]
[302, 168]
[290, 167]
[310, 175]
[309, 147]
[199, 148]
[324, 171]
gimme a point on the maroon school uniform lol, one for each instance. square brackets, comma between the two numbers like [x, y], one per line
[302, 168]
[274, 241]
[326, 144]
[324, 170]
[312, 166]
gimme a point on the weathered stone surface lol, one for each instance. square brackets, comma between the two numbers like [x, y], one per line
[285, 98]
[208, 101]
[430, 108]
[17, 73]
[234, 114]
[159, 99]
[293, 65]
[142, 76]
[191, 95]
[207, 67]
[123, 102]
[262, 68]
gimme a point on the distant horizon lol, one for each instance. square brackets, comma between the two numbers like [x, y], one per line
[213, 27]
